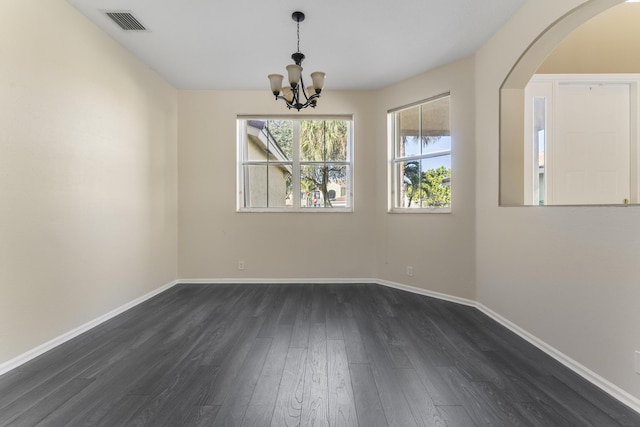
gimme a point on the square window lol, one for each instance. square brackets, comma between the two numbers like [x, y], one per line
[272, 149]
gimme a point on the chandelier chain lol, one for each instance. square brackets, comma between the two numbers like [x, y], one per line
[298, 32]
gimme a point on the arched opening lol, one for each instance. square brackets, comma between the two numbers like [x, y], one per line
[512, 93]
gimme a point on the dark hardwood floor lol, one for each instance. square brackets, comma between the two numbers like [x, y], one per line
[301, 355]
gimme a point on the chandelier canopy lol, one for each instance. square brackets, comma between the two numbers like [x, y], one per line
[295, 95]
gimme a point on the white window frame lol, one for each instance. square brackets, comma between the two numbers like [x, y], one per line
[242, 161]
[394, 159]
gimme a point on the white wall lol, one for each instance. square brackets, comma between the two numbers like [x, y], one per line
[88, 200]
[568, 275]
[439, 247]
[213, 236]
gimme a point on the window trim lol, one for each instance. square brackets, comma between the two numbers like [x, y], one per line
[392, 159]
[242, 155]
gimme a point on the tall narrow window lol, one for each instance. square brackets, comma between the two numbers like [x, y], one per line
[421, 157]
[539, 140]
[295, 164]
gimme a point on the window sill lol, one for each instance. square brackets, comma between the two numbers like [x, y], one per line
[420, 210]
[291, 210]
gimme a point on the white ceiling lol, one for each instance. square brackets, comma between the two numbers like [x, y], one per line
[360, 44]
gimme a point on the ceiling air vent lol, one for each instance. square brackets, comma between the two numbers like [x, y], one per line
[126, 21]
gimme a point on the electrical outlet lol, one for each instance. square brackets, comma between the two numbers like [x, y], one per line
[409, 270]
[637, 362]
[241, 264]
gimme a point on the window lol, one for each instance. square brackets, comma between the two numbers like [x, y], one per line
[420, 157]
[291, 164]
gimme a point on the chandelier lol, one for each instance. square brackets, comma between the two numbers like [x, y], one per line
[295, 95]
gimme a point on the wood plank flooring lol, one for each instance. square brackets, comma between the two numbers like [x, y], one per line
[301, 355]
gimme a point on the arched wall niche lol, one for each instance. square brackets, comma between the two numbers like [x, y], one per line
[512, 96]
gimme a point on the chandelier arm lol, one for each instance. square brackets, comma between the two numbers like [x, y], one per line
[304, 91]
[311, 102]
[296, 95]
[289, 105]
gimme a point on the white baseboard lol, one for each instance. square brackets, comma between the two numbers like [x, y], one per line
[426, 292]
[387, 283]
[43, 348]
[610, 388]
[607, 386]
[272, 281]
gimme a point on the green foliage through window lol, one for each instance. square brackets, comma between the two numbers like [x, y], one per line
[323, 141]
[295, 164]
[421, 156]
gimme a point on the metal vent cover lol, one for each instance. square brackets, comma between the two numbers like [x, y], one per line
[126, 20]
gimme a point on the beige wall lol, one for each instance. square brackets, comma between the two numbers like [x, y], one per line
[439, 247]
[87, 175]
[607, 43]
[368, 243]
[213, 236]
[568, 275]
